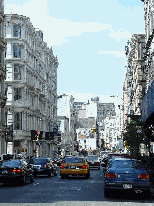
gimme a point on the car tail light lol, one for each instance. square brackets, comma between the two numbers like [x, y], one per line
[84, 166]
[16, 171]
[110, 175]
[45, 166]
[62, 166]
[143, 176]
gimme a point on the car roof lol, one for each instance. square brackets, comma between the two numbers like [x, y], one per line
[124, 159]
[75, 157]
[91, 155]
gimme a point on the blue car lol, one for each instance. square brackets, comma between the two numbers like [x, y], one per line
[126, 174]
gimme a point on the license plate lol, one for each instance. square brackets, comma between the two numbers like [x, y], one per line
[72, 167]
[127, 186]
[4, 172]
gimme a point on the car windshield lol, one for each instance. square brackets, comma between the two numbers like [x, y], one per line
[74, 160]
[11, 164]
[127, 164]
[40, 161]
[92, 158]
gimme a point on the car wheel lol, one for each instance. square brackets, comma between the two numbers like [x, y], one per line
[147, 194]
[106, 193]
[87, 176]
[55, 174]
[62, 176]
[98, 168]
[23, 180]
[31, 179]
[50, 174]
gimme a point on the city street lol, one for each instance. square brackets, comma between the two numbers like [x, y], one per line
[57, 190]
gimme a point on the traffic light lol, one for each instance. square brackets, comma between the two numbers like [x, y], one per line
[33, 135]
[37, 137]
[40, 135]
[124, 143]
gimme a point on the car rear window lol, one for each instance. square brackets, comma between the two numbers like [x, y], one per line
[40, 161]
[11, 164]
[74, 160]
[127, 164]
[92, 158]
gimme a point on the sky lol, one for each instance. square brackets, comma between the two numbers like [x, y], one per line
[89, 39]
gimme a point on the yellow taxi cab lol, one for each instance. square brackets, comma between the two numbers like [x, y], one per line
[76, 166]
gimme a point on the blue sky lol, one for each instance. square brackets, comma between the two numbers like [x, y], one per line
[88, 38]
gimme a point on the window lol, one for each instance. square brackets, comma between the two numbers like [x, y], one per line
[17, 72]
[17, 94]
[16, 31]
[18, 120]
[16, 51]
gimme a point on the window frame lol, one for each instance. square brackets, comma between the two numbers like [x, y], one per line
[18, 120]
[17, 51]
[19, 72]
[17, 31]
[18, 94]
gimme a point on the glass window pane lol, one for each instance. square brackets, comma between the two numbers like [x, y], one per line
[16, 51]
[16, 31]
[17, 72]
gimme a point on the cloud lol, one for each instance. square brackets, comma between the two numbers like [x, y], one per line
[56, 31]
[115, 53]
[120, 34]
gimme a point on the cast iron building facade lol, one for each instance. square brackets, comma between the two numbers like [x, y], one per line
[2, 80]
[31, 82]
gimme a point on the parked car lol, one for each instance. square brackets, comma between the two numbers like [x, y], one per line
[54, 160]
[113, 155]
[76, 166]
[59, 161]
[110, 155]
[16, 171]
[44, 166]
[93, 161]
[127, 175]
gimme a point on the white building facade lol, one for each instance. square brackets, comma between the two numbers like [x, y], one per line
[65, 105]
[112, 132]
[2, 81]
[31, 82]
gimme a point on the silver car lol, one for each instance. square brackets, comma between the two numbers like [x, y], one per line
[93, 161]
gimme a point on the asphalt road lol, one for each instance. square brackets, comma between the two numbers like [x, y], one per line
[55, 189]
